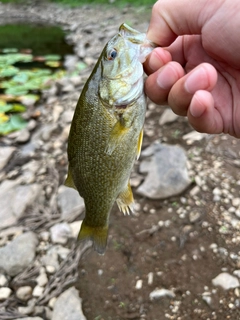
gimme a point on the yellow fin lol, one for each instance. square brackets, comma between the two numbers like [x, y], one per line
[97, 234]
[139, 146]
[115, 138]
[69, 180]
[125, 200]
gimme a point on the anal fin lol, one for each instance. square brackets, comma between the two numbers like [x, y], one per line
[125, 200]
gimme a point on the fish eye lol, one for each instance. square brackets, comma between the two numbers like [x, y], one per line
[112, 55]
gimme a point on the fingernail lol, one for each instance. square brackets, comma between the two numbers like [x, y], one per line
[166, 79]
[196, 81]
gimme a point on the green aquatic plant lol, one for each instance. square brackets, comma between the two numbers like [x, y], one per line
[18, 84]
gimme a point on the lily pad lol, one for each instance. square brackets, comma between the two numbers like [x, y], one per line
[9, 50]
[15, 122]
[16, 91]
[8, 71]
[52, 57]
[53, 64]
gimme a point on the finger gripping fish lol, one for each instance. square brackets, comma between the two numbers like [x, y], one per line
[106, 132]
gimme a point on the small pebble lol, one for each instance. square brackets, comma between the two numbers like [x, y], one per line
[37, 291]
[3, 280]
[161, 293]
[24, 293]
[5, 293]
[150, 278]
[139, 284]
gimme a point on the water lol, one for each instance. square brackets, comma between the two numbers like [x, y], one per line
[41, 39]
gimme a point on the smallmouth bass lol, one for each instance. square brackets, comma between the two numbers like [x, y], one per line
[106, 132]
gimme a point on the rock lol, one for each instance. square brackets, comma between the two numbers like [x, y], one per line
[75, 226]
[24, 293]
[194, 216]
[67, 116]
[226, 281]
[23, 136]
[3, 280]
[68, 306]
[161, 293]
[14, 199]
[167, 172]
[50, 260]
[18, 254]
[60, 233]
[168, 116]
[37, 291]
[5, 155]
[69, 202]
[5, 293]
[194, 136]
[42, 279]
[237, 273]
[70, 62]
[76, 80]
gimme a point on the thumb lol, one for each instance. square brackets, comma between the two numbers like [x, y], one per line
[172, 18]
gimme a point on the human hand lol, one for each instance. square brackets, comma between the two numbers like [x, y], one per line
[198, 71]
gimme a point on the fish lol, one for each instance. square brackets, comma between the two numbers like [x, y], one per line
[106, 133]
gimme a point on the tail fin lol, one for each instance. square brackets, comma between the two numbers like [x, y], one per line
[97, 234]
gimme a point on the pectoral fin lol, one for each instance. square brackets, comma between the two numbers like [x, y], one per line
[97, 234]
[125, 200]
[116, 136]
[69, 180]
[140, 139]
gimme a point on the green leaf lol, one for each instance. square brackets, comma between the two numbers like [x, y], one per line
[9, 50]
[6, 108]
[16, 122]
[8, 71]
[21, 77]
[53, 64]
[16, 91]
[52, 57]
[3, 118]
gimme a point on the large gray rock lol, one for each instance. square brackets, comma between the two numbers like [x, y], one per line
[69, 202]
[68, 306]
[166, 168]
[18, 254]
[14, 199]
